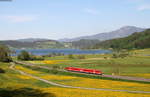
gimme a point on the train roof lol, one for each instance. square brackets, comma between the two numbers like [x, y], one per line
[82, 68]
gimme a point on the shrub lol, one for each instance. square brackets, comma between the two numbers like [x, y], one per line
[70, 56]
[37, 57]
[56, 67]
[105, 57]
[123, 55]
[120, 55]
[1, 70]
[5, 54]
[81, 57]
[114, 56]
[24, 55]
[54, 71]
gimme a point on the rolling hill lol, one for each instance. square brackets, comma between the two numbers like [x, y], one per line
[136, 40]
[32, 39]
[32, 44]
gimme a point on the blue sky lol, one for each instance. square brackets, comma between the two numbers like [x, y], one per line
[55, 19]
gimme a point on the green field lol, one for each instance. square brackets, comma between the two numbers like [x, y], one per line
[136, 64]
[13, 83]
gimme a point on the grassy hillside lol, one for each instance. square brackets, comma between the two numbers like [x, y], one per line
[136, 40]
[13, 84]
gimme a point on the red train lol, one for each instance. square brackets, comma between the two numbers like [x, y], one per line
[82, 70]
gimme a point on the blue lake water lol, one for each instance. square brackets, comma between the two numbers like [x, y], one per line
[64, 51]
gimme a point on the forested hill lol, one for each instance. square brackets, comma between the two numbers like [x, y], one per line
[39, 44]
[136, 40]
[84, 43]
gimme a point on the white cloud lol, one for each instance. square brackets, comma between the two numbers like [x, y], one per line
[91, 11]
[144, 7]
[18, 19]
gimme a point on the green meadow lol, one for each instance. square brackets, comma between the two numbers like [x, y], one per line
[136, 64]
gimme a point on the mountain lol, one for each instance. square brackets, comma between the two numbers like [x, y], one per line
[32, 43]
[80, 42]
[136, 40]
[122, 32]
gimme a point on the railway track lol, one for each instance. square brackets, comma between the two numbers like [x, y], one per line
[104, 75]
[126, 78]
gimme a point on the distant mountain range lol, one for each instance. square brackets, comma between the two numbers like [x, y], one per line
[83, 42]
[122, 32]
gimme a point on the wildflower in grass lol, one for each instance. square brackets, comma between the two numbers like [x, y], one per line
[57, 77]
[97, 83]
[53, 61]
[26, 70]
[68, 92]
[50, 62]
[24, 77]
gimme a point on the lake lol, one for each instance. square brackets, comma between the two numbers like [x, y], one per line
[63, 51]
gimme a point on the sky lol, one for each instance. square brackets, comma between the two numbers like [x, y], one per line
[57, 19]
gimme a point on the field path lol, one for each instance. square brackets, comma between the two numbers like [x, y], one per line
[67, 86]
